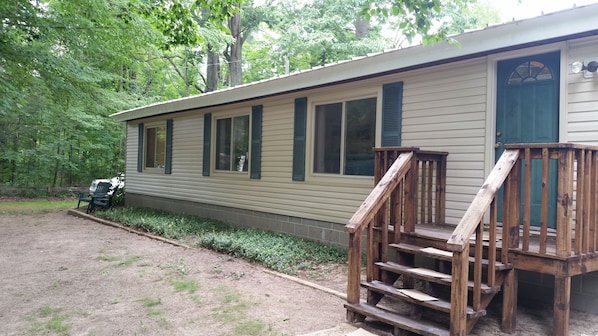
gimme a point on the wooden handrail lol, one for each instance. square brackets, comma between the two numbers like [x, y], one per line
[407, 179]
[481, 203]
[365, 217]
[506, 169]
[379, 194]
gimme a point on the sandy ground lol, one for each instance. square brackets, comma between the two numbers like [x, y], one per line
[62, 275]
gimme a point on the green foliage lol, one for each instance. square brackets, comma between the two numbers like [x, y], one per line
[252, 327]
[118, 199]
[300, 36]
[189, 286]
[180, 21]
[63, 73]
[149, 302]
[416, 16]
[68, 65]
[280, 252]
[168, 225]
[49, 320]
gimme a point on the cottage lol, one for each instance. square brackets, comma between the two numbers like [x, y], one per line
[294, 154]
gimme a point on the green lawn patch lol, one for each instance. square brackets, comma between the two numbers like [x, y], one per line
[35, 206]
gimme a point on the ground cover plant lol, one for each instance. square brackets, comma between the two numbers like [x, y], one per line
[280, 252]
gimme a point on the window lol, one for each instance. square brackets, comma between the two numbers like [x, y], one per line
[232, 144]
[155, 146]
[344, 137]
[529, 71]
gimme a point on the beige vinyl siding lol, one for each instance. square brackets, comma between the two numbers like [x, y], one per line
[582, 99]
[445, 109]
[582, 95]
[333, 200]
[131, 156]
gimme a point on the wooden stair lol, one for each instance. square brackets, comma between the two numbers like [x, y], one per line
[428, 299]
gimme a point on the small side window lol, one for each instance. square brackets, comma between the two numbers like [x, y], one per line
[155, 146]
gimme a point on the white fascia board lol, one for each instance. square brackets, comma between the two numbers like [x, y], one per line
[522, 33]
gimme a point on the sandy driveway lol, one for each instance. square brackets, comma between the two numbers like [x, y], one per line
[62, 275]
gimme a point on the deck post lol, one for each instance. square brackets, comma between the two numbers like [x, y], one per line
[354, 271]
[459, 292]
[411, 197]
[441, 191]
[564, 212]
[509, 302]
[562, 296]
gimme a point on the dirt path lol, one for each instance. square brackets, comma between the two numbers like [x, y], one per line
[62, 275]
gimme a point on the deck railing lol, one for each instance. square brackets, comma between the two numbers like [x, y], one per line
[575, 226]
[576, 167]
[410, 188]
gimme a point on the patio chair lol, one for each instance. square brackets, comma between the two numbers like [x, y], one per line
[103, 201]
[101, 190]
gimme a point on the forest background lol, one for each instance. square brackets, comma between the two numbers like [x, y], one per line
[67, 65]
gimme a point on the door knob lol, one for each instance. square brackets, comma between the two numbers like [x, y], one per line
[498, 145]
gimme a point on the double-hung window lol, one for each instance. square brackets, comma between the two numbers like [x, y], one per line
[345, 134]
[232, 143]
[155, 146]
[154, 151]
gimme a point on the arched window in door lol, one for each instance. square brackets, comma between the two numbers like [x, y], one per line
[529, 71]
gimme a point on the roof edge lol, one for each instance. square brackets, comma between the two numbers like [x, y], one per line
[549, 28]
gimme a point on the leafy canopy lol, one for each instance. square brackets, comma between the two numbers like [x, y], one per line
[417, 17]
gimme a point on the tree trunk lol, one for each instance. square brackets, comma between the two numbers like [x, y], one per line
[213, 70]
[234, 59]
[119, 88]
[57, 164]
[362, 27]
[13, 161]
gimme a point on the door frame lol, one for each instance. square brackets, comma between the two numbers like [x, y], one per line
[491, 94]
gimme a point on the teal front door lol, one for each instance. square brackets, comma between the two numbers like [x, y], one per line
[527, 111]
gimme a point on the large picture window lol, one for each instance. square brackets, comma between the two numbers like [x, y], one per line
[345, 134]
[155, 146]
[232, 144]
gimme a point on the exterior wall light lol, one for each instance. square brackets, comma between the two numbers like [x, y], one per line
[589, 68]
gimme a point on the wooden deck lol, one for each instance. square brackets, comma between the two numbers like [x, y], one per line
[530, 260]
[480, 256]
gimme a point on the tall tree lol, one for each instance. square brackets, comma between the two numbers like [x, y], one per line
[299, 35]
[66, 66]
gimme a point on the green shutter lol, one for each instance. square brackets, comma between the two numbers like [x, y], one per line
[207, 138]
[256, 142]
[140, 148]
[392, 110]
[168, 160]
[299, 135]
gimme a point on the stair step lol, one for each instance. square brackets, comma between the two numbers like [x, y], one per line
[438, 254]
[403, 322]
[438, 304]
[429, 275]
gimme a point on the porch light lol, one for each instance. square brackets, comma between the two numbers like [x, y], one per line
[589, 69]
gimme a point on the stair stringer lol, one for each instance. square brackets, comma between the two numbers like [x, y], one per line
[391, 276]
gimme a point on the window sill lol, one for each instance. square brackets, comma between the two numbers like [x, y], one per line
[230, 174]
[153, 171]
